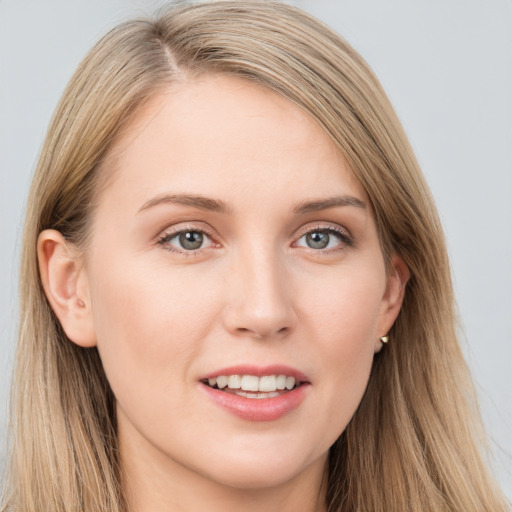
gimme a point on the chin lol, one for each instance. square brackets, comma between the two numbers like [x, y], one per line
[258, 470]
[265, 476]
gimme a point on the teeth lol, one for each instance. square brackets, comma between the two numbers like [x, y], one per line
[234, 381]
[281, 382]
[266, 384]
[222, 381]
[250, 383]
[257, 395]
[290, 382]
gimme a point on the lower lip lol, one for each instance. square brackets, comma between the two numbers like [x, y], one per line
[258, 409]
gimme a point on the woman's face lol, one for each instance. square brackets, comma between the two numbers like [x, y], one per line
[232, 239]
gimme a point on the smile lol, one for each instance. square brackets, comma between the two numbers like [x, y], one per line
[252, 386]
[257, 393]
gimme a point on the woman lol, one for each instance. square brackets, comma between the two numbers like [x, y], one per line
[236, 292]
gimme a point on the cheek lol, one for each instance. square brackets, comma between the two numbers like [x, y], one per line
[345, 307]
[342, 318]
[150, 325]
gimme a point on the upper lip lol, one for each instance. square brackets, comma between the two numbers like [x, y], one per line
[258, 371]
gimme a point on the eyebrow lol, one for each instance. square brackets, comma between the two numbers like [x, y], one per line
[331, 202]
[216, 205]
[203, 203]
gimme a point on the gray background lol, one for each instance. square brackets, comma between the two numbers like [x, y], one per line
[447, 67]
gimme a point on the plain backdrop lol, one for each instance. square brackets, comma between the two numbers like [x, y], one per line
[447, 67]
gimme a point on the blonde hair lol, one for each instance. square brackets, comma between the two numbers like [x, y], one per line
[414, 442]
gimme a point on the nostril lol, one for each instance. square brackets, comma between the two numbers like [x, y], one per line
[245, 330]
[260, 333]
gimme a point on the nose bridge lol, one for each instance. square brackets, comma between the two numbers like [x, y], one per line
[260, 299]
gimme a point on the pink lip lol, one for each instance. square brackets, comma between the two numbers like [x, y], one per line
[264, 409]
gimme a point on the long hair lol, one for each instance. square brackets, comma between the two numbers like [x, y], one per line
[414, 443]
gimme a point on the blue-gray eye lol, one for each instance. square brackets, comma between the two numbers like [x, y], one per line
[323, 239]
[318, 239]
[185, 240]
[190, 240]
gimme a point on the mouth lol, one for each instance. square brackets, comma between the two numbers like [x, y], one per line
[257, 393]
[253, 386]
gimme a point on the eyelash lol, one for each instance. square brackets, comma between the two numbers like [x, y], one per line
[167, 237]
[345, 239]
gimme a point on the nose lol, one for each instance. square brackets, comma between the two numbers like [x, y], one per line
[259, 305]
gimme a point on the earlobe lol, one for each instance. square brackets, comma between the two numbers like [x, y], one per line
[65, 284]
[393, 297]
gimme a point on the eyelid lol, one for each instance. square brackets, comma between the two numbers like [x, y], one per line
[344, 235]
[172, 231]
[346, 238]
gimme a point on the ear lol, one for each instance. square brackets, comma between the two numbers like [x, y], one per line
[398, 275]
[66, 286]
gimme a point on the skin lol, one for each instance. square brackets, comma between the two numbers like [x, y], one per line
[255, 292]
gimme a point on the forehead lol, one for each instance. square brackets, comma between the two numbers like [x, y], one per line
[222, 136]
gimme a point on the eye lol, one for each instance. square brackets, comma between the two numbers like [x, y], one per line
[324, 239]
[186, 240]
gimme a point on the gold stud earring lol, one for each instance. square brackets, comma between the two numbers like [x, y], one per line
[384, 339]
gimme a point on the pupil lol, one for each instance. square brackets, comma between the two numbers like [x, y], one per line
[191, 240]
[317, 240]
